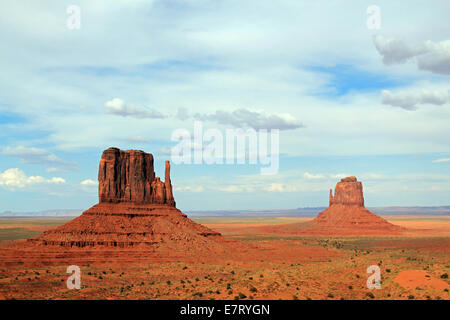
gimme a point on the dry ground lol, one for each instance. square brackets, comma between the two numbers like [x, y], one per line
[414, 266]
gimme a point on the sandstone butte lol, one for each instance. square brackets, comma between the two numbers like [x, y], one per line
[347, 211]
[135, 219]
[346, 215]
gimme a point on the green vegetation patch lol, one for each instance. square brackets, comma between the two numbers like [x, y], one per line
[17, 233]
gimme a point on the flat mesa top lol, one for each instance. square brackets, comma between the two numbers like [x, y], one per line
[113, 149]
[349, 179]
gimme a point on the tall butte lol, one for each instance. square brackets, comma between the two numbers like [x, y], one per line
[135, 217]
[346, 212]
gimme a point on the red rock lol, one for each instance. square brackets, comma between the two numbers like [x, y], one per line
[129, 176]
[168, 184]
[346, 215]
[348, 192]
[136, 218]
[346, 210]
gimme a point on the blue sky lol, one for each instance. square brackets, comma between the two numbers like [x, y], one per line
[348, 100]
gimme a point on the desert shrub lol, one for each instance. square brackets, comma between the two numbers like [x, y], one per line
[228, 286]
[444, 276]
[294, 297]
[370, 295]
[411, 297]
[330, 295]
[388, 270]
[350, 287]
[242, 296]
[168, 282]
[253, 289]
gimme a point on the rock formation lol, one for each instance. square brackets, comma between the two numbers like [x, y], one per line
[136, 213]
[347, 211]
[346, 215]
[348, 192]
[129, 176]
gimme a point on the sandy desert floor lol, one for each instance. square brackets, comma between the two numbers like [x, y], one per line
[279, 266]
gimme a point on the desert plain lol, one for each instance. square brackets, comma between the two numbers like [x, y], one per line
[265, 262]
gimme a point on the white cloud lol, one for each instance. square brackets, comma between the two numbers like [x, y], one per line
[15, 178]
[253, 119]
[339, 175]
[89, 182]
[232, 188]
[441, 160]
[396, 51]
[410, 100]
[276, 187]
[308, 175]
[39, 156]
[118, 107]
[429, 56]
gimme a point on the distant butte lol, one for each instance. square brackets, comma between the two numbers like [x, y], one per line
[346, 211]
[346, 215]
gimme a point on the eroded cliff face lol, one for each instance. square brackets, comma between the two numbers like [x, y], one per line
[129, 176]
[348, 191]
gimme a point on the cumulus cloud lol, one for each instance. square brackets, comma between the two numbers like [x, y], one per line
[15, 178]
[39, 156]
[429, 56]
[257, 120]
[410, 100]
[396, 51]
[118, 107]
